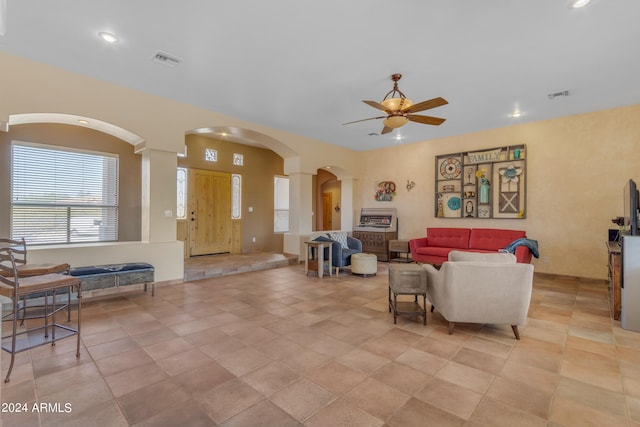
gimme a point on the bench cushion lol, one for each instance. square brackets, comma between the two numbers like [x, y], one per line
[110, 268]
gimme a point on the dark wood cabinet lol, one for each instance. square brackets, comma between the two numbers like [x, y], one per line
[376, 242]
[615, 294]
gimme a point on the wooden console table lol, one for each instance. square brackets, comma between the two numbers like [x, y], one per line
[376, 242]
[615, 294]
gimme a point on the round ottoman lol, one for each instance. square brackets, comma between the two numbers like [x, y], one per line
[364, 264]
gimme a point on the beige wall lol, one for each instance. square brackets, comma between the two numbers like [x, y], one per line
[260, 167]
[160, 126]
[577, 167]
[160, 122]
[86, 139]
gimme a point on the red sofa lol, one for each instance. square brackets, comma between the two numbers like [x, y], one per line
[435, 248]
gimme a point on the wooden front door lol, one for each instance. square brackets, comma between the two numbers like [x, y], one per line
[327, 211]
[210, 228]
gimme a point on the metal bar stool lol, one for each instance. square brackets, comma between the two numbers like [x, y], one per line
[15, 287]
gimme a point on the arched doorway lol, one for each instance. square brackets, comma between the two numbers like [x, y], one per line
[328, 201]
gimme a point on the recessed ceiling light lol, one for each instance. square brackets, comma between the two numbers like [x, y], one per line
[108, 37]
[579, 3]
[516, 114]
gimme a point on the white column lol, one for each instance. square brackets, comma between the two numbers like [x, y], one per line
[158, 195]
[300, 201]
[346, 203]
[300, 213]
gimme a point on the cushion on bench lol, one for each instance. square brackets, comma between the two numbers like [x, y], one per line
[110, 268]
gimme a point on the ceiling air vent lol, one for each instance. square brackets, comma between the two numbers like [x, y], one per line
[166, 59]
[557, 94]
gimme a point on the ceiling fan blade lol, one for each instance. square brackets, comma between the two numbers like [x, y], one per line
[427, 120]
[425, 105]
[364, 120]
[377, 105]
[386, 130]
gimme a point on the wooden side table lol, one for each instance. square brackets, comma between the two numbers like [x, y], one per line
[399, 247]
[615, 292]
[316, 262]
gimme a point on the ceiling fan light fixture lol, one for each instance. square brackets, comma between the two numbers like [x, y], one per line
[400, 110]
[395, 104]
[394, 122]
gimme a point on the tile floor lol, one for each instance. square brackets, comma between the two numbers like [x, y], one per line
[276, 348]
[207, 266]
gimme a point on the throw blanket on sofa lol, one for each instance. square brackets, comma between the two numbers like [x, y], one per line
[531, 244]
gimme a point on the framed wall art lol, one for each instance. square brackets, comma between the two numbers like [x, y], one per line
[482, 184]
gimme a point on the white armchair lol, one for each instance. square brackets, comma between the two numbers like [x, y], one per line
[481, 288]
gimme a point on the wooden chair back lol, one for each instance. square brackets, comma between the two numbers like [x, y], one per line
[18, 247]
[8, 273]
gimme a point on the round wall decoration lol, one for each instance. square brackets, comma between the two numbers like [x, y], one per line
[454, 203]
[450, 168]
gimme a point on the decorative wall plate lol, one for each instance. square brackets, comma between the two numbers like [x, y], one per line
[454, 203]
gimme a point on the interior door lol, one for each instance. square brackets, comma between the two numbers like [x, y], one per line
[327, 211]
[210, 228]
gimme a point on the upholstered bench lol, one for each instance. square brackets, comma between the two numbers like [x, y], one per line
[115, 275]
[364, 264]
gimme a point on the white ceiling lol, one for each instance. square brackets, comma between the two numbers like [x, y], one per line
[305, 66]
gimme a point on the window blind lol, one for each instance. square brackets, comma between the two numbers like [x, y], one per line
[63, 196]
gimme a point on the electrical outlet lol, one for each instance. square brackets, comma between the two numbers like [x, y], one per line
[253, 239]
[545, 259]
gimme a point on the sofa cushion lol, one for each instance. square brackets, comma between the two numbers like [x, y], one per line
[340, 238]
[435, 251]
[498, 257]
[492, 239]
[449, 237]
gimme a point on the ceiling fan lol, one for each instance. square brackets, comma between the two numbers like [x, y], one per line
[400, 109]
